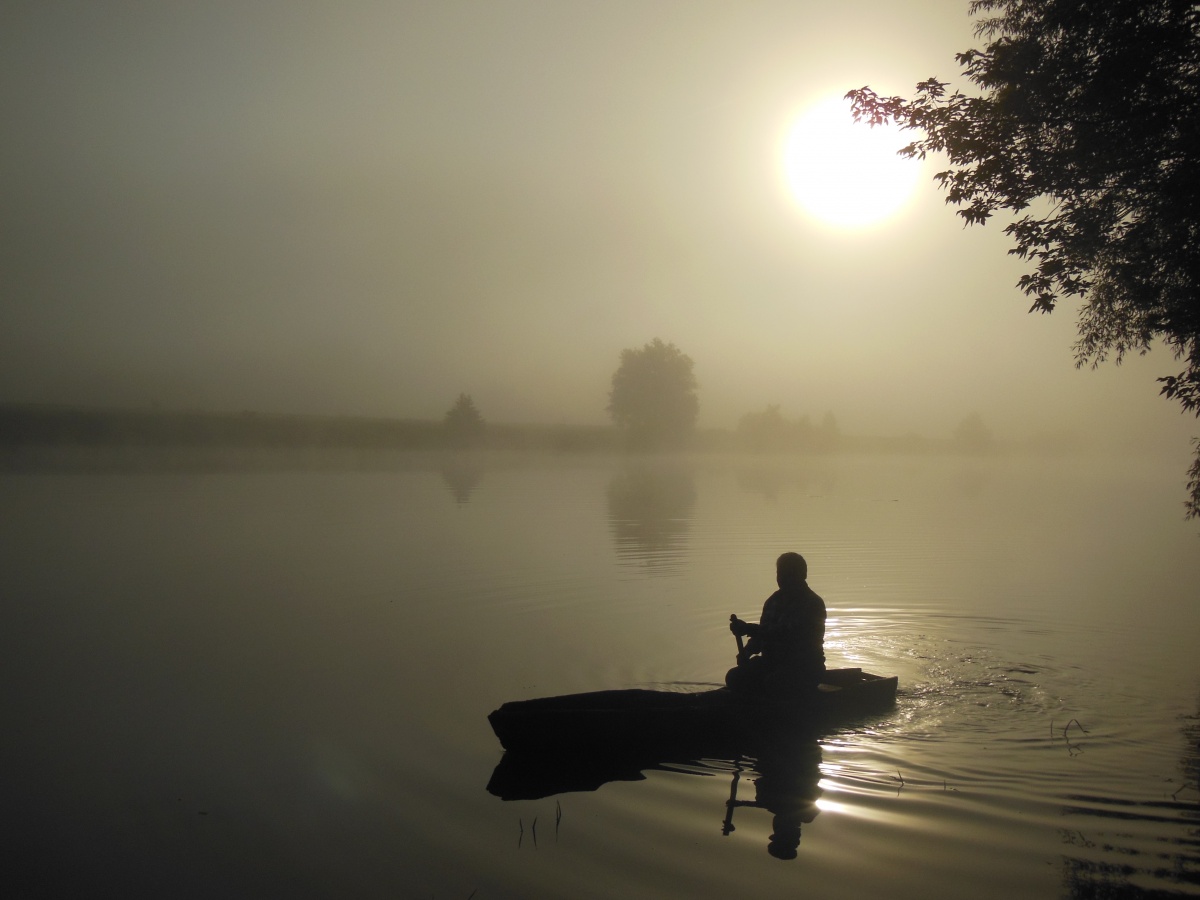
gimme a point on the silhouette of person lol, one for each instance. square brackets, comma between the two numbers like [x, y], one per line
[786, 650]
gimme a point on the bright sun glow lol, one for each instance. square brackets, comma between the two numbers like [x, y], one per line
[844, 173]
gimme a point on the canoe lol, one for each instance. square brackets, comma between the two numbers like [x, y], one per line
[623, 720]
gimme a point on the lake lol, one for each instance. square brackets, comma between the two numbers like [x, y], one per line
[250, 682]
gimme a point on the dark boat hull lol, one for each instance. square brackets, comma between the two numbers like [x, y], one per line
[624, 720]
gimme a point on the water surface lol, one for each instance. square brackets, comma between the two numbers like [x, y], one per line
[260, 683]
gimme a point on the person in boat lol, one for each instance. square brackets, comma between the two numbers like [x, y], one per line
[786, 650]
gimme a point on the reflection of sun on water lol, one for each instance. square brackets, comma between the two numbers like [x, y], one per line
[844, 173]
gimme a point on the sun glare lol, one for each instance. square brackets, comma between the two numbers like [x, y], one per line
[846, 174]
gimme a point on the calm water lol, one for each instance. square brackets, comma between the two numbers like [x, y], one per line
[254, 684]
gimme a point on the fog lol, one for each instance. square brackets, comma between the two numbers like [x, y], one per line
[369, 208]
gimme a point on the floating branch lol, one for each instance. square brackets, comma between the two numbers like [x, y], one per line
[533, 829]
[557, 817]
[1074, 722]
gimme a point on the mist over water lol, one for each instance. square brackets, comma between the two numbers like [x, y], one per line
[297, 209]
[252, 619]
[260, 683]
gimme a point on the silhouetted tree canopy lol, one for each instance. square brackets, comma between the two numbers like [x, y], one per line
[653, 396]
[463, 423]
[1087, 128]
[770, 431]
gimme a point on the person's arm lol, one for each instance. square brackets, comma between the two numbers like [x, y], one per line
[750, 647]
[740, 627]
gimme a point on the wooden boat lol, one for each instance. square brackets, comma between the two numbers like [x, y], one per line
[622, 720]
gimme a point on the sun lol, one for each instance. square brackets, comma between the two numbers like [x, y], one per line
[843, 173]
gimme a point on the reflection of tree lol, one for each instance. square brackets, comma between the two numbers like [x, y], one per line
[649, 513]
[462, 476]
[769, 481]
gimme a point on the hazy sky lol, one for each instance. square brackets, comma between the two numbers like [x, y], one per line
[368, 207]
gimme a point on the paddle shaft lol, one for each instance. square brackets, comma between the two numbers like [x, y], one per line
[737, 637]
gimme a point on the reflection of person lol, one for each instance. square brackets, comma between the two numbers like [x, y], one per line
[786, 651]
[788, 787]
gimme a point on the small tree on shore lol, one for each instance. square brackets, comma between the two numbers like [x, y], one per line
[973, 436]
[463, 424]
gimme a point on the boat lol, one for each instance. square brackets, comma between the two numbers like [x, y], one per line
[616, 721]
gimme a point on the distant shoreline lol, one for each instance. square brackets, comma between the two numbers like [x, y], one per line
[30, 426]
[33, 435]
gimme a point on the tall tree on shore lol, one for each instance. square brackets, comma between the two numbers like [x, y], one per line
[653, 396]
[1086, 127]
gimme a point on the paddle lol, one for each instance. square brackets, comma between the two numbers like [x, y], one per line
[738, 638]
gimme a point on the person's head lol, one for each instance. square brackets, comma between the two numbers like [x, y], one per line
[791, 571]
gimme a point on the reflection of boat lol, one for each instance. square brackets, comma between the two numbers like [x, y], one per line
[631, 720]
[785, 773]
[532, 776]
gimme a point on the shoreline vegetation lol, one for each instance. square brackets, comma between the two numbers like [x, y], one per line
[35, 436]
